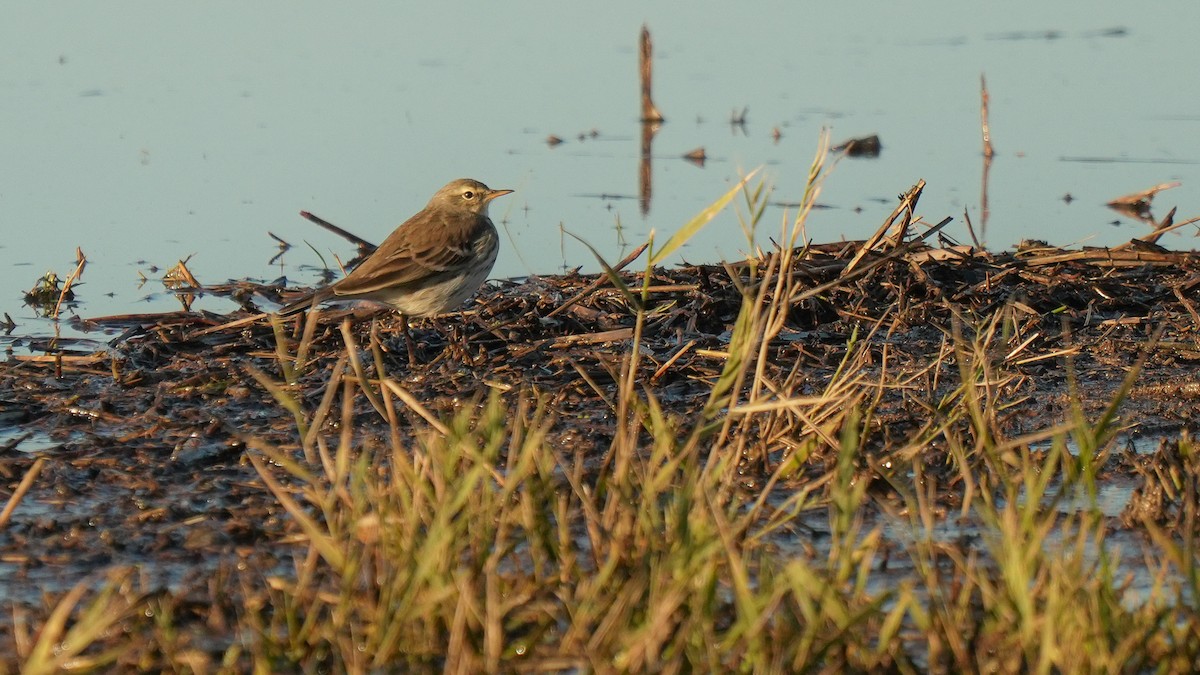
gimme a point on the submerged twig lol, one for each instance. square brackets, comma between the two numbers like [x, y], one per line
[363, 245]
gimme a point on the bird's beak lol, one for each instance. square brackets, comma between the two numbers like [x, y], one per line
[495, 193]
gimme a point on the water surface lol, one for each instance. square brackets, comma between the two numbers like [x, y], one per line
[146, 133]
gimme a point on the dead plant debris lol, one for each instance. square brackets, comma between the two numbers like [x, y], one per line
[145, 439]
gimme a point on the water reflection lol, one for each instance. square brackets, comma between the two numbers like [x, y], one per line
[645, 167]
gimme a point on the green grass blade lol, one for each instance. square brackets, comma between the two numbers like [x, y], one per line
[689, 230]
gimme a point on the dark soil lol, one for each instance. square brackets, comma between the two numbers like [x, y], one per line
[144, 442]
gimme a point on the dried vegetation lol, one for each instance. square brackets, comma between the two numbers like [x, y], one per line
[893, 454]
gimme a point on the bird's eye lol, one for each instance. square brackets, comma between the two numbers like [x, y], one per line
[468, 195]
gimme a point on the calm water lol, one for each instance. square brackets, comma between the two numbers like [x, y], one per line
[145, 133]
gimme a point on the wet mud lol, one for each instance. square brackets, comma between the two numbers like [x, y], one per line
[144, 441]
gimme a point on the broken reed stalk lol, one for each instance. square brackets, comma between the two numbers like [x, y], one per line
[988, 150]
[652, 120]
[988, 153]
[971, 228]
[181, 273]
[82, 262]
[850, 272]
[907, 205]
[358, 241]
[1168, 224]
[650, 113]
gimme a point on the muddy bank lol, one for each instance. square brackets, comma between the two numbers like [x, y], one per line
[144, 442]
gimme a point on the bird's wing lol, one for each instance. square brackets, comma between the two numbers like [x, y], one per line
[410, 255]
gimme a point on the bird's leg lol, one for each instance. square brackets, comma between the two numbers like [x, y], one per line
[409, 345]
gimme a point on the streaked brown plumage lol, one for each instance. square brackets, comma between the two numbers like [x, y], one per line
[430, 264]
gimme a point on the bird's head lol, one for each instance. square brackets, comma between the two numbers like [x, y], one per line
[465, 194]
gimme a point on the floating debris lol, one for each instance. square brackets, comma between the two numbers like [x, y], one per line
[867, 146]
[46, 291]
[1137, 205]
[180, 276]
[47, 296]
[697, 157]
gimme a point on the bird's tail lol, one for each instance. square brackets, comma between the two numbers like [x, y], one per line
[305, 301]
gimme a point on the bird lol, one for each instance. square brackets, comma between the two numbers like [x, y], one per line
[428, 265]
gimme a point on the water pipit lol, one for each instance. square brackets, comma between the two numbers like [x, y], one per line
[430, 264]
